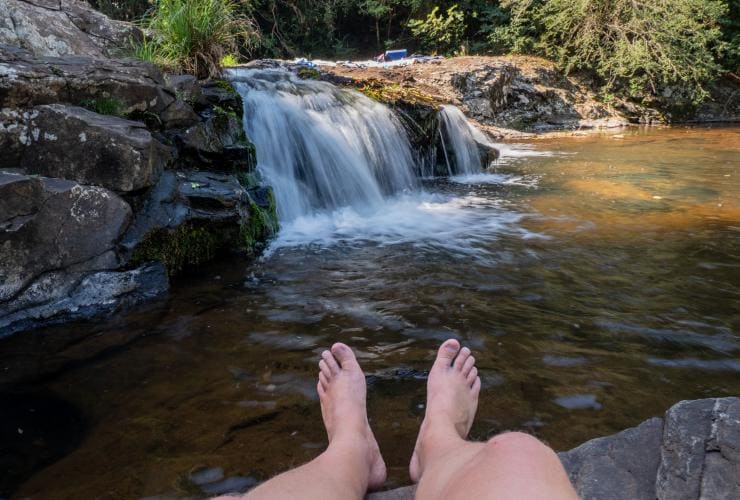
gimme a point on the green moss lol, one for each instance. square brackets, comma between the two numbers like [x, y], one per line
[309, 73]
[105, 106]
[261, 226]
[186, 245]
[249, 179]
[226, 86]
[393, 93]
[223, 112]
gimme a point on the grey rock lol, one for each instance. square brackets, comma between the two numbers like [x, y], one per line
[62, 27]
[179, 114]
[187, 88]
[619, 466]
[188, 196]
[234, 484]
[49, 225]
[537, 99]
[694, 454]
[218, 94]
[206, 475]
[700, 453]
[403, 493]
[94, 294]
[73, 143]
[217, 143]
[28, 80]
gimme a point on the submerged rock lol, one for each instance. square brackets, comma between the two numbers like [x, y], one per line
[74, 143]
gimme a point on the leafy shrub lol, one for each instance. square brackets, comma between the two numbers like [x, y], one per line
[195, 35]
[229, 60]
[643, 49]
[439, 33]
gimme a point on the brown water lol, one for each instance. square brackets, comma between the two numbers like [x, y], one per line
[607, 290]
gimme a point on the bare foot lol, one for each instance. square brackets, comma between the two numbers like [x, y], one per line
[342, 393]
[452, 399]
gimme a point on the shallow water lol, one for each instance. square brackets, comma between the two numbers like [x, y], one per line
[596, 278]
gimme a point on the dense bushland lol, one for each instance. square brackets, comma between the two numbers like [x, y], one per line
[645, 50]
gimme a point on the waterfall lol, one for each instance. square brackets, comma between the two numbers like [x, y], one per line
[462, 139]
[322, 147]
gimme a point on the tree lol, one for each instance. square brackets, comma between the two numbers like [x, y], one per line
[641, 47]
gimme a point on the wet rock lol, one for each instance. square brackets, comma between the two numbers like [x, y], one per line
[62, 27]
[619, 466]
[578, 402]
[180, 197]
[234, 484]
[73, 143]
[95, 294]
[28, 80]
[191, 216]
[221, 93]
[700, 453]
[217, 143]
[206, 475]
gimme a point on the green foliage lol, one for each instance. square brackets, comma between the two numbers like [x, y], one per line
[642, 49]
[730, 25]
[440, 33]
[229, 60]
[195, 35]
[125, 10]
[105, 106]
[309, 73]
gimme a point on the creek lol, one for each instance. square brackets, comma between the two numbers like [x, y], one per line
[595, 278]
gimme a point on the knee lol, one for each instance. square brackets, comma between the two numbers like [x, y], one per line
[518, 443]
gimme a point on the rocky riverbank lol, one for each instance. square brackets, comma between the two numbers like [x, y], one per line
[515, 96]
[691, 453]
[114, 177]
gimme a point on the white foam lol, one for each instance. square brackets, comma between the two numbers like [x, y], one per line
[462, 225]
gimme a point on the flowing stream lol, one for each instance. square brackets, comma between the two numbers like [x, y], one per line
[594, 277]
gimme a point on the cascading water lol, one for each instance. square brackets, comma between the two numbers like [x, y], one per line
[342, 170]
[462, 153]
[322, 147]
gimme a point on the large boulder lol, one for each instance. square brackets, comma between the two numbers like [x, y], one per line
[700, 453]
[189, 216]
[62, 27]
[619, 466]
[693, 454]
[53, 234]
[74, 143]
[133, 86]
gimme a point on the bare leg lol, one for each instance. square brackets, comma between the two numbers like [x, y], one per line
[352, 463]
[510, 466]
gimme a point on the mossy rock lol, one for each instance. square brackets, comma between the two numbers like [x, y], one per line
[263, 223]
[184, 246]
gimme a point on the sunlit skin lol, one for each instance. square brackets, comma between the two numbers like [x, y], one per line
[444, 464]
